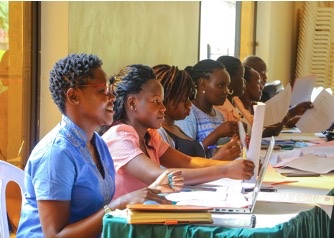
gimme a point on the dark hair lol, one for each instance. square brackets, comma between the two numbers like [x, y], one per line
[69, 72]
[203, 69]
[247, 73]
[231, 64]
[177, 83]
[129, 81]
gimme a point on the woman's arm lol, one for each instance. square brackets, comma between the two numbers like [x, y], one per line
[200, 170]
[226, 129]
[54, 217]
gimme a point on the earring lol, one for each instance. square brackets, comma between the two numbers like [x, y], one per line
[133, 107]
[203, 91]
[230, 92]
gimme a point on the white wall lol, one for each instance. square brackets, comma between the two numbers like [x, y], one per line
[54, 45]
[276, 33]
[276, 36]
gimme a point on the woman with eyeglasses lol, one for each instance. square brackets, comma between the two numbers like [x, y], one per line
[137, 148]
[70, 175]
[179, 90]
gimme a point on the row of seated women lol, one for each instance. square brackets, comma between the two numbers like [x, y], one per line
[74, 176]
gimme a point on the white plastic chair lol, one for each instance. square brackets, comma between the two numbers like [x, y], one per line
[8, 173]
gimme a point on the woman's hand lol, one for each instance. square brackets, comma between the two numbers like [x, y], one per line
[300, 108]
[139, 196]
[229, 151]
[240, 169]
[228, 128]
[169, 181]
[272, 130]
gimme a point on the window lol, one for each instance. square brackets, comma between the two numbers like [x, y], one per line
[219, 29]
[17, 89]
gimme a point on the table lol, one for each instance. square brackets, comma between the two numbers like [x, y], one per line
[309, 221]
[312, 223]
[304, 221]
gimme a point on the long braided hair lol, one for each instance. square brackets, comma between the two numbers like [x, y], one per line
[177, 83]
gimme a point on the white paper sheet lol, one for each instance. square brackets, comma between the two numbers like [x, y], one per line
[312, 163]
[254, 149]
[302, 89]
[211, 199]
[278, 106]
[323, 201]
[320, 117]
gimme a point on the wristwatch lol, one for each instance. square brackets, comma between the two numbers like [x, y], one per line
[107, 209]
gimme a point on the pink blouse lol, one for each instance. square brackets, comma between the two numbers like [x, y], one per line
[123, 144]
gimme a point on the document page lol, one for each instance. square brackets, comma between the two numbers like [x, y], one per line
[277, 107]
[254, 150]
[302, 90]
[320, 117]
[312, 163]
[304, 198]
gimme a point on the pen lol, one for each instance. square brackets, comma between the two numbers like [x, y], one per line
[210, 147]
[244, 152]
[284, 182]
[261, 190]
[188, 188]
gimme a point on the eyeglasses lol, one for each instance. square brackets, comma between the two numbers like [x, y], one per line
[108, 87]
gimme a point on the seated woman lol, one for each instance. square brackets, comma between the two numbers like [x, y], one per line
[137, 148]
[70, 175]
[237, 88]
[250, 98]
[205, 124]
[179, 89]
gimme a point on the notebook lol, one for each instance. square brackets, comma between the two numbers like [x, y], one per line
[167, 214]
[225, 202]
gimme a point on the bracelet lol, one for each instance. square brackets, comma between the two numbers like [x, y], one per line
[106, 209]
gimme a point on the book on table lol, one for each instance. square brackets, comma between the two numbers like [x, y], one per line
[167, 214]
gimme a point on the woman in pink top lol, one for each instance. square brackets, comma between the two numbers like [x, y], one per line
[136, 147]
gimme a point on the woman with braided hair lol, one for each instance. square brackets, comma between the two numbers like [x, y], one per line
[70, 175]
[137, 148]
[179, 90]
[205, 123]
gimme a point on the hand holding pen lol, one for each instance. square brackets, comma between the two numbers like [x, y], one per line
[228, 151]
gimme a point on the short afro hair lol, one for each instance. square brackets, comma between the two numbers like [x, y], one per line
[69, 72]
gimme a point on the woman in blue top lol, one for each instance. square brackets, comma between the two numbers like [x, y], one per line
[70, 176]
[204, 123]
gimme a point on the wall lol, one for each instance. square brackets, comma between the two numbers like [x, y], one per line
[276, 37]
[54, 45]
[124, 33]
[147, 32]
[120, 33]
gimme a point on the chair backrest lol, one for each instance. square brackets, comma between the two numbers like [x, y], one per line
[8, 173]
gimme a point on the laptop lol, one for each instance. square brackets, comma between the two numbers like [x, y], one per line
[257, 187]
[219, 200]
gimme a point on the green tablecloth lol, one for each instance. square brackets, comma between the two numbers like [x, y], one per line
[314, 223]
